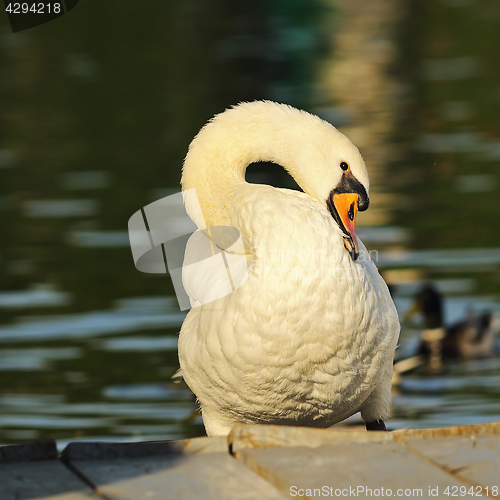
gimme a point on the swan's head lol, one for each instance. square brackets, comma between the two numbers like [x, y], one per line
[330, 168]
[323, 161]
[349, 196]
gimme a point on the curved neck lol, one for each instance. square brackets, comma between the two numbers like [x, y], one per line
[219, 155]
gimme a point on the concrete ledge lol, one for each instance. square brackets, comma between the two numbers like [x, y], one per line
[29, 452]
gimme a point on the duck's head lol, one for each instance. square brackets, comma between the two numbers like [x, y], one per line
[429, 302]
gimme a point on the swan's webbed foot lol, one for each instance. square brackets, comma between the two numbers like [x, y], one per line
[377, 425]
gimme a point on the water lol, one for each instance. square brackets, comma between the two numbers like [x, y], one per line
[466, 392]
[103, 375]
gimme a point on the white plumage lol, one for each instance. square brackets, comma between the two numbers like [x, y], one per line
[309, 338]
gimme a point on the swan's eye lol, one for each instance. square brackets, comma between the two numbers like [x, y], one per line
[344, 165]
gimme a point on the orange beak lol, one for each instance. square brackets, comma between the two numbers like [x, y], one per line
[346, 205]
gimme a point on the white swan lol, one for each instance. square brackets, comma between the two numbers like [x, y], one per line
[309, 338]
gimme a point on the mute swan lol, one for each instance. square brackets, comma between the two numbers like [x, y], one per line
[309, 338]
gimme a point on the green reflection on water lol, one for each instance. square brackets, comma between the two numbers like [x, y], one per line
[453, 123]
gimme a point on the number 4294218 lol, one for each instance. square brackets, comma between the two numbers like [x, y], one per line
[473, 491]
[34, 8]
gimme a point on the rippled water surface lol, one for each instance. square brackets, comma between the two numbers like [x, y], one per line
[100, 375]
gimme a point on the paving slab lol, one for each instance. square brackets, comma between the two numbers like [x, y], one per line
[489, 428]
[474, 458]
[258, 436]
[33, 471]
[347, 467]
[98, 450]
[44, 449]
[167, 471]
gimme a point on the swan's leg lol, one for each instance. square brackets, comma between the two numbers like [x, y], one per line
[376, 409]
[376, 426]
